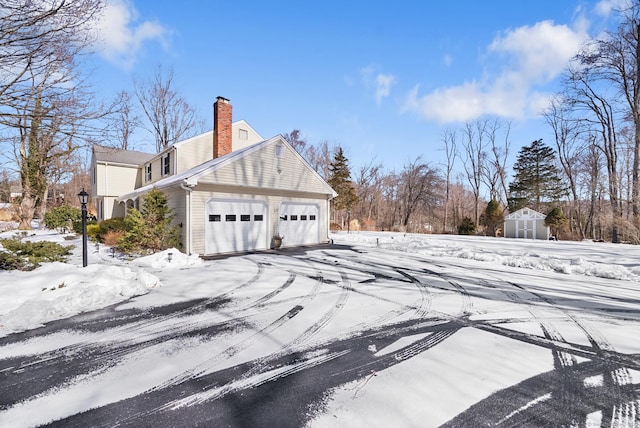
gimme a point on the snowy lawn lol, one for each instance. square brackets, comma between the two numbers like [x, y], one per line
[381, 329]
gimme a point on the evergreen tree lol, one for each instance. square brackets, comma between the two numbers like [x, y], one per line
[555, 220]
[150, 228]
[467, 227]
[492, 217]
[537, 178]
[340, 181]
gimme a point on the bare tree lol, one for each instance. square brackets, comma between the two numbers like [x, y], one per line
[45, 107]
[36, 36]
[124, 120]
[170, 118]
[495, 165]
[566, 132]
[296, 140]
[449, 140]
[418, 187]
[475, 158]
[601, 116]
[368, 184]
[615, 60]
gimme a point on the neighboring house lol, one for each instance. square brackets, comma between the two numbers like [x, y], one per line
[526, 223]
[229, 189]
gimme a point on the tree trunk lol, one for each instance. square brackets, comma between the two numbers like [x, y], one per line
[27, 209]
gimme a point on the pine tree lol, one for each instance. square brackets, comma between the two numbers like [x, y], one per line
[340, 181]
[149, 229]
[537, 178]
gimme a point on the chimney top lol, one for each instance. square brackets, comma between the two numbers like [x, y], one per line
[222, 99]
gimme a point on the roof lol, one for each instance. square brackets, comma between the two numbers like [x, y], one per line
[125, 157]
[191, 176]
[529, 214]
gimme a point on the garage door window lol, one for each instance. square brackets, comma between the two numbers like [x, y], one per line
[303, 217]
[214, 217]
[312, 217]
[258, 217]
[294, 217]
[230, 217]
[245, 217]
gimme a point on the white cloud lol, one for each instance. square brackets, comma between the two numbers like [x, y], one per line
[519, 65]
[379, 83]
[122, 36]
[383, 86]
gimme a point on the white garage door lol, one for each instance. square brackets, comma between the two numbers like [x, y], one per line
[235, 225]
[299, 223]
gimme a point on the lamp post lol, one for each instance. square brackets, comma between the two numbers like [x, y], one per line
[83, 196]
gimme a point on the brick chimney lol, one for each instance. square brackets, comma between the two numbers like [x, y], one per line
[222, 132]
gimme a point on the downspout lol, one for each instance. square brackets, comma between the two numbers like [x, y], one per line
[187, 219]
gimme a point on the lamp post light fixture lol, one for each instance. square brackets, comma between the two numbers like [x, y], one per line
[83, 196]
[169, 256]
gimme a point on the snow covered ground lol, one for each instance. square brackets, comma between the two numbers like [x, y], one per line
[382, 329]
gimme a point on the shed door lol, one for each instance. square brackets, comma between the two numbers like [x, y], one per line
[525, 229]
[234, 225]
[299, 223]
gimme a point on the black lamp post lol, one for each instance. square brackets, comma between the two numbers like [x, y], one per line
[84, 198]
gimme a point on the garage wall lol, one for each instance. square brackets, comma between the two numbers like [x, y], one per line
[203, 193]
[177, 203]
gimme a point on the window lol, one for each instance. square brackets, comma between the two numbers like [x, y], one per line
[294, 217]
[312, 217]
[283, 217]
[257, 217]
[166, 164]
[243, 134]
[279, 151]
[214, 217]
[245, 217]
[303, 217]
[230, 217]
[148, 172]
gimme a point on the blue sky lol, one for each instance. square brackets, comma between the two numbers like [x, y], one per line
[383, 80]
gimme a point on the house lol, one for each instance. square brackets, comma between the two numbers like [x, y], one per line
[229, 189]
[526, 223]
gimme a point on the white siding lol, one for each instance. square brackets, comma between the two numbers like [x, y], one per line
[264, 169]
[203, 193]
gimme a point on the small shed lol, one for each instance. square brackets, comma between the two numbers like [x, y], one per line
[526, 223]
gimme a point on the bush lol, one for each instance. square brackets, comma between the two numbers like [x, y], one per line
[27, 255]
[92, 231]
[112, 237]
[63, 218]
[467, 227]
[149, 230]
[116, 224]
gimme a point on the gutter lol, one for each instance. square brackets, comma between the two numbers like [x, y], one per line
[188, 217]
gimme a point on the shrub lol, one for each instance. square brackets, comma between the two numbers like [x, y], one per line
[467, 227]
[112, 237]
[27, 255]
[63, 218]
[92, 231]
[116, 224]
[150, 230]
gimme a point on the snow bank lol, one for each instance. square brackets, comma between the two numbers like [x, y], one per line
[59, 290]
[572, 258]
